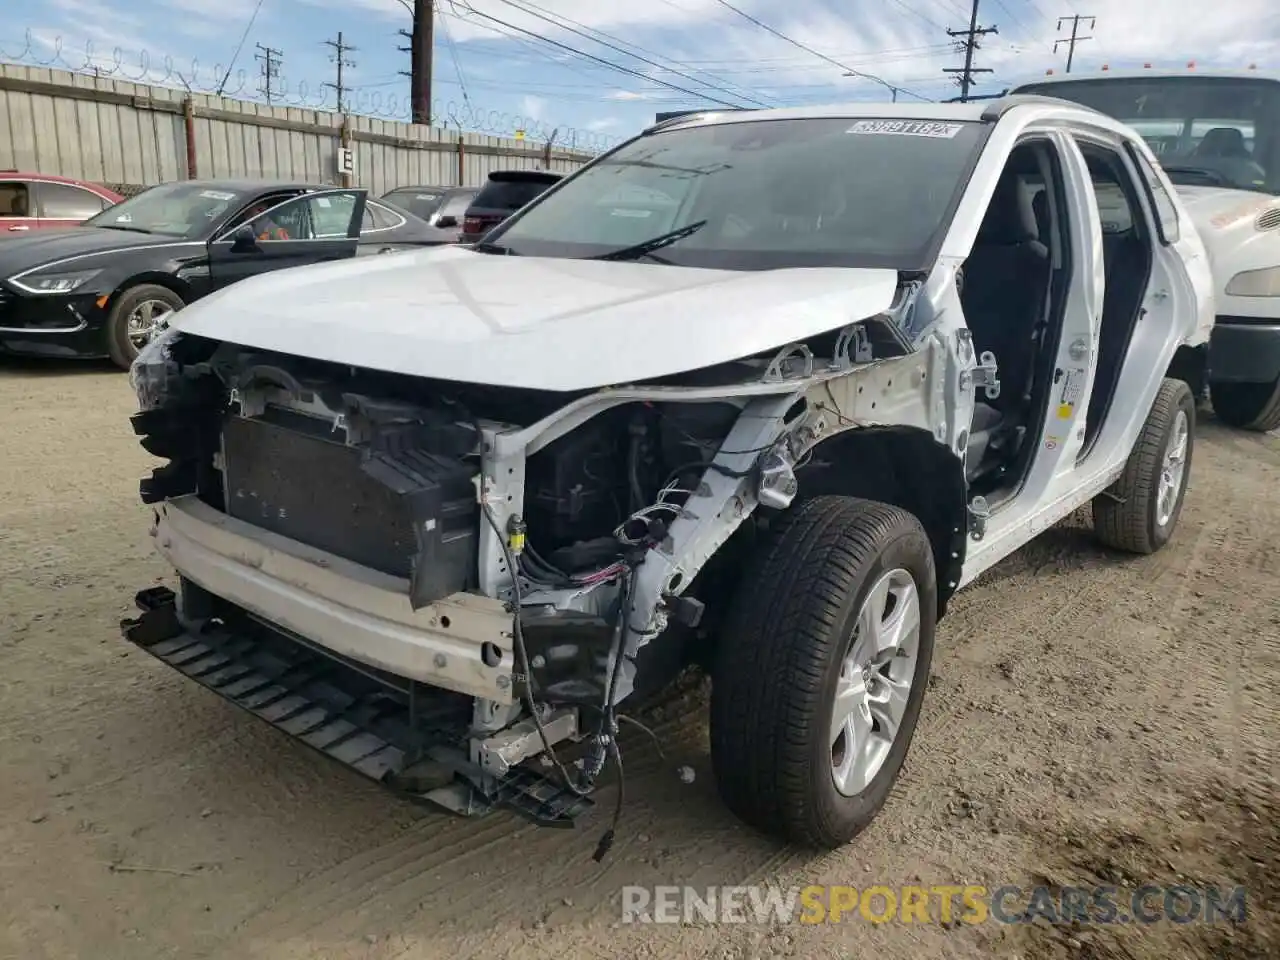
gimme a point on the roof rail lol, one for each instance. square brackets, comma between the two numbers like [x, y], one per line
[1006, 103]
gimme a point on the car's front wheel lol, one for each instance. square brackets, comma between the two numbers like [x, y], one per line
[136, 315]
[1249, 406]
[821, 670]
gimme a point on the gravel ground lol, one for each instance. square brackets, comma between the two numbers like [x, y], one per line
[1092, 719]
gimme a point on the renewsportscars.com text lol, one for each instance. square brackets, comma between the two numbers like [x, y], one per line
[969, 904]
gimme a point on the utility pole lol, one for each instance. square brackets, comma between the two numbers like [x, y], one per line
[340, 49]
[270, 58]
[969, 45]
[1074, 39]
[421, 48]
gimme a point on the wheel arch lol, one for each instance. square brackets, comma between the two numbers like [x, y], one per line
[905, 467]
[1190, 364]
[155, 277]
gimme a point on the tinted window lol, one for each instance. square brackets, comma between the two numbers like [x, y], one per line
[1210, 131]
[421, 203]
[772, 193]
[180, 209]
[509, 194]
[60, 201]
[15, 199]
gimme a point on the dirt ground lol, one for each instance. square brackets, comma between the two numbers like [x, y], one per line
[1093, 719]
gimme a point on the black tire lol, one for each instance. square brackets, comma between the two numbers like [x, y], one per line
[1127, 515]
[1249, 406]
[119, 347]
[778, 662]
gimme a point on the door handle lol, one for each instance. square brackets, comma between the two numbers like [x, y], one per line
[17, 227]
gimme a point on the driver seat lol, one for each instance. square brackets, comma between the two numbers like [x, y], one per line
[1227, 142]
[1006, 278]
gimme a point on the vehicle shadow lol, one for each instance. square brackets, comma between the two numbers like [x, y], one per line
[16, 366]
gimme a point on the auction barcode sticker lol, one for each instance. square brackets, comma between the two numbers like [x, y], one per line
[907, 128]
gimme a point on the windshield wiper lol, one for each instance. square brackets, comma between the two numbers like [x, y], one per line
[638, 250]
[1186, 169]
[484, 246]
[117, 226]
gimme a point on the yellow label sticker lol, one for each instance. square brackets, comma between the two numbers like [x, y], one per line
[1064, 411]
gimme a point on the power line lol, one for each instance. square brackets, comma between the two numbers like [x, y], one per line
[239, 46]
[632, 46]
[969, 45]
[340, 49]
[916, 13]
[607, 63]
[792, 58]
[457, 64]
[270, 58]
[523, 8]
[796, 43]
[1017, 21]
[1074, 38]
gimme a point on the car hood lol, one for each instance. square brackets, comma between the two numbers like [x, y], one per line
[1217, 208]
[546, 324]
[1227, 223]
[45, 246]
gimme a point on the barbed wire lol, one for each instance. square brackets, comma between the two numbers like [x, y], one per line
[216, 80]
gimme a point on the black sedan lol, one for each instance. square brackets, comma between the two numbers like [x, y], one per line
[102, 289]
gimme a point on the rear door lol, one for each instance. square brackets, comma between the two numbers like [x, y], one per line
[1182, 270]
[65, 204]
[312, 228]
[17, 209]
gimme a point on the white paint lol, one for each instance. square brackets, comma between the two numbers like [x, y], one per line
[1224, 220]
[547, 324]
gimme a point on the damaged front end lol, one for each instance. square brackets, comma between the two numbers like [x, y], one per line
[451, 588]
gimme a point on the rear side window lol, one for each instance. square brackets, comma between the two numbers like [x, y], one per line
[60, 201]
[509, 194]
[378, 217]
[1161, 202]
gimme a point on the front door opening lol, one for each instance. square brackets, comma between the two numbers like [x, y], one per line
[1013, 291]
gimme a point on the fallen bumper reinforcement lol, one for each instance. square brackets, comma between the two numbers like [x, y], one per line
[336, 709]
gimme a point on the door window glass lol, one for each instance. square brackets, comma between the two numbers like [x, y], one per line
[309, 217]
[331, 214]
[61, 201]
[1166, 212]
[15, 199]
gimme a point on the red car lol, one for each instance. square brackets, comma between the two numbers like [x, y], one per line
[29, 201]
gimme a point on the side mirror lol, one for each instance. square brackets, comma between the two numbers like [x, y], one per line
[243, 239]
[446, 220]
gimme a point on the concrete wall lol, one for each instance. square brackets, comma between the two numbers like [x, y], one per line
[130, 135]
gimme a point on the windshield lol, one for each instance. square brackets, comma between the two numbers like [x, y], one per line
[172, 209]
[421, 203]
[769, 194]
[509, 194]
[1205, 131]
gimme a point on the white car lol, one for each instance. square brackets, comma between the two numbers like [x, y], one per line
[1217, 135]
[443, 515]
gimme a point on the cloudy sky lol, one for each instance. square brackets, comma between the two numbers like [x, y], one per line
[602, 68]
